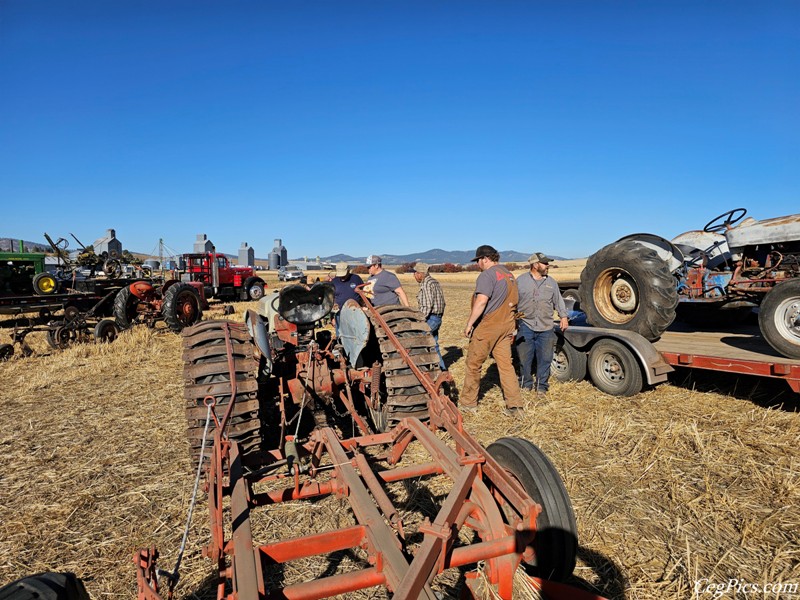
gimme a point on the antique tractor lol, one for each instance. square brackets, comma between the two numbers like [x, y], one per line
[177, 304]
[716, 275]
[268, 404]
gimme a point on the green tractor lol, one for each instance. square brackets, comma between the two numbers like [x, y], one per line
[23, 273]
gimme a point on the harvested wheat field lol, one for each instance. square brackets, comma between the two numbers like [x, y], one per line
[670, 487]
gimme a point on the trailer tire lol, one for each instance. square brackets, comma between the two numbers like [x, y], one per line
[255, 289]
[556, 542]
[574, 296]
[614, 369]
[569, 363]
[779, 318]
[45, 284]
[125, 308]
[6, 352]
[626, 285]
[181, 307]
[45, 586]
[105, 331]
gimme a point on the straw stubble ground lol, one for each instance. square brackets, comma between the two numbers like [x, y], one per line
[669, 487]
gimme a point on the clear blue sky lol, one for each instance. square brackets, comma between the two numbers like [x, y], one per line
[394, 127]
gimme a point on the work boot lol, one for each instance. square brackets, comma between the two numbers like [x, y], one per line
[514, 411]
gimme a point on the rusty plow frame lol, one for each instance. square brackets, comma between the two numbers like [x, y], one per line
[487, 520]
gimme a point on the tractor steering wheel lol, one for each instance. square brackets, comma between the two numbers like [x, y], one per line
[726, 220]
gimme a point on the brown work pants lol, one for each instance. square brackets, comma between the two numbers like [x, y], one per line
[497, 342]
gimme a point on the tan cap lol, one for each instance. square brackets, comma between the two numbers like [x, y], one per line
[342, 269]
[422, 268]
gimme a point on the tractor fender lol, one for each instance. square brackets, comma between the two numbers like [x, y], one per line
[653, 364]
[665, 249]
[258, 331]
[354, 331]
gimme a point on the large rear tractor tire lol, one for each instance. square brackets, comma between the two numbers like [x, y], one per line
[125, 304]
[402, 394]
[181, 307]
[779, 318]
[614, 369]
[45, 284]
[207, 372]
[556, 542]
[626, 285]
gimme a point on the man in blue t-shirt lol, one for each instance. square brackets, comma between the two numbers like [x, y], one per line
[383, 287]
[344, 285]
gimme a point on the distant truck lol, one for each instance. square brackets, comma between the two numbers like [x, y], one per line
[220, 279]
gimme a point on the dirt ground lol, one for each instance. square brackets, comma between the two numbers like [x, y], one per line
[693, 483]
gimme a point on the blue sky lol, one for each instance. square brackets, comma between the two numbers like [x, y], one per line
[394, 127]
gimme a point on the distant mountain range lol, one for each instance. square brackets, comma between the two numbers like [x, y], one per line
[436, 256]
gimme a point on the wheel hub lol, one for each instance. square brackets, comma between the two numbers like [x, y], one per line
[623, 295]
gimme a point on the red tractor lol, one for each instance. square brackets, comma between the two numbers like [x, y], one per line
[220, 279]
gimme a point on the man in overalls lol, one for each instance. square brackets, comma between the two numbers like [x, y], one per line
[490, 327]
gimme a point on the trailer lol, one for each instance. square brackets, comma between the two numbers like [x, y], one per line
[622, 363]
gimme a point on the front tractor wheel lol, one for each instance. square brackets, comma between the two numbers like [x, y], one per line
[628, 286]
[181, 307]
[45, 284]
[779, 318]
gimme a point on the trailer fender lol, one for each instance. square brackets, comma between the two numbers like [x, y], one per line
[653, 365]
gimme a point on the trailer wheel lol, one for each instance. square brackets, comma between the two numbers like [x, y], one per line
[6, 352]
[779, 318]
[556, 542]
[45, 586]
[112, 268]
[125, 304]
[105, 331]
[181, 307]
[614, 369]
[626, 285]
[569, 363]
[45, 284]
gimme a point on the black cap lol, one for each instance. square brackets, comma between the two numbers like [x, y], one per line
[482, 251]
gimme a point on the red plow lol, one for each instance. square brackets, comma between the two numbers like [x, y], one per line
[502, 507]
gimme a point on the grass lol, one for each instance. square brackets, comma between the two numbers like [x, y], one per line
[669, 486]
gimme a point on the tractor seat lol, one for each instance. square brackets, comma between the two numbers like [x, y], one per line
[303, 306]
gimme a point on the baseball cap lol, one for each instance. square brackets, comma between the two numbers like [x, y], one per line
[373, 259]
[482, 251]
[342, 269]
[540, 258]
[421, 267]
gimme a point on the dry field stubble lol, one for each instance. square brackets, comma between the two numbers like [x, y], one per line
[669, 487]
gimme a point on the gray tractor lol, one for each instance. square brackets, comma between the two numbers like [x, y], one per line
[715, 275]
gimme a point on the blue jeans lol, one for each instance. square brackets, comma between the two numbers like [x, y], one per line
[537, 345]
[434, 322]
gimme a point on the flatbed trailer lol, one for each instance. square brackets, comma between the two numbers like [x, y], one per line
[741, 351]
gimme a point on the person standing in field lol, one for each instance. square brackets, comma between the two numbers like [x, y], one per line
[383, 287]
[344, 286]
[490, 329]
[430, 300]
[539, 297]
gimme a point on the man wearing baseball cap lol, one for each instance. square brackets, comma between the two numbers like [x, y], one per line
[384, 286]
[430, 300]
[539, 297]
[490, 329]
[344, 286]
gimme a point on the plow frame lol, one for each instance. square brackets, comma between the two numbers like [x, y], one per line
[485, 499]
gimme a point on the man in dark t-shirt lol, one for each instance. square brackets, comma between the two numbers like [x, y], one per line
[344, 285]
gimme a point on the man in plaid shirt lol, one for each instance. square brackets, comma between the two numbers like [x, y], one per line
[430, 300]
